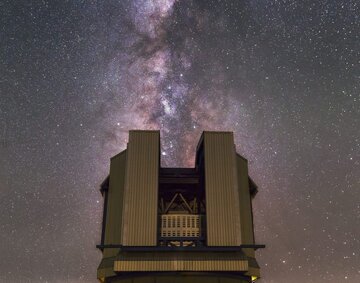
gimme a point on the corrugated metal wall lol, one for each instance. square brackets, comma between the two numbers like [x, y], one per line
[132, 208]
[245, 204]
[141, 189]
[181, 262]
[115, 203]
[221, 190]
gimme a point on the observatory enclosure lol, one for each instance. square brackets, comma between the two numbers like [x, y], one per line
[178, 224]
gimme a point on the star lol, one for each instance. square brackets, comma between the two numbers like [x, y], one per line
[76, 76]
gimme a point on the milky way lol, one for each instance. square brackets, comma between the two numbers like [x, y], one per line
[76, 76]
[167, 78]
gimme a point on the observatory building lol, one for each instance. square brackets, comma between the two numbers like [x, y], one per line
[176, 225]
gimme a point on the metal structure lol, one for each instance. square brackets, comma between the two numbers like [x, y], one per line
[178, 224]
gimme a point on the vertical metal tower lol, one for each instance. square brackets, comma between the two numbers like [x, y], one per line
[178, 224]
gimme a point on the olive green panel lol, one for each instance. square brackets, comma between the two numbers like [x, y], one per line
[247, 234]
[106, 268]
[253, 268]
[141, 189]
[221, 190]
[115, 203]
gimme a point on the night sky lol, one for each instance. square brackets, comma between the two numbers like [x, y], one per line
[284, 76]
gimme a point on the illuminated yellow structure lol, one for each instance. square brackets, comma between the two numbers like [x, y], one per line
[178, 224]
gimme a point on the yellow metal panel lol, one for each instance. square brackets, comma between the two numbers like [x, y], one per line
[245, 204]
[222, 201]
[181, 262]
[141, 189]
[167, 266]
[115, 203]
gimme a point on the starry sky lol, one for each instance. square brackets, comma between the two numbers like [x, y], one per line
[283, 75]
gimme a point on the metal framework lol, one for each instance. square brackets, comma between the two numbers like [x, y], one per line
[181, 248]
[178, 222]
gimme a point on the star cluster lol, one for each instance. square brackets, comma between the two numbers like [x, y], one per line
[76, 76]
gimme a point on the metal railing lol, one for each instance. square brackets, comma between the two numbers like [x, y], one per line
[180, 226]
